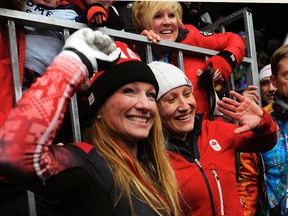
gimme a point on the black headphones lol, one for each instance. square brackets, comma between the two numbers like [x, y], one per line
[280, 106]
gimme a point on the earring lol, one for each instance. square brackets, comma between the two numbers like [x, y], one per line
[99, 116]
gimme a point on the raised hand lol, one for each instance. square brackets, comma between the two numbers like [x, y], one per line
[96, 50]
[245, 111]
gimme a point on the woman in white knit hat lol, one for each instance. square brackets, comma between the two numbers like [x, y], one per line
[202, 153]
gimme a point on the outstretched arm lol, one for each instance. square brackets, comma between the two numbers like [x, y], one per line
[26, 136]
[245, 111]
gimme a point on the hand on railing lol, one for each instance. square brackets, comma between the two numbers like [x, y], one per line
[151, 35]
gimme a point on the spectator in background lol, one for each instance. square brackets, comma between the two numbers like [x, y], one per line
[267, 89]
[192, 14]
[43, 45]
[276, 160]
[124, 170]
[202, 152]
[104, 14]
[162, 20]
[251, 183]
[272, 45]
[262, 57]
[125, 12]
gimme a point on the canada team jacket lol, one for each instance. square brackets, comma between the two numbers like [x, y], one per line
[205, 164]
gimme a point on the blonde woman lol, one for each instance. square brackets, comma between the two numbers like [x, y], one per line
[162, 20]
[121, 168]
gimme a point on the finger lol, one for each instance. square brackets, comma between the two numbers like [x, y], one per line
[246, 93]
[112, 47]
[226, 112]
[103, 18]
[241, 129]
[252, 87]
[230, 101]
[254, 94]
[254, 99]
[98, 37]
[89, 35]
[105, 44]
[144, 33]
[99, 17]
[226, 106]
[237, 96]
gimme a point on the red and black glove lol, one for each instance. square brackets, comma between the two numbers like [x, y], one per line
[91, 11]
[95, 49]
[223, 64]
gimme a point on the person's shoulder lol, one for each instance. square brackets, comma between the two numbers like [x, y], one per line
[189, 27]
[86, 147]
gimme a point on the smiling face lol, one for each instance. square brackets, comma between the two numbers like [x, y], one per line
[165, 24]
[131, 111]
[177, 109]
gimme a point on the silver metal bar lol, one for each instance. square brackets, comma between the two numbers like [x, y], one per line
[148, 52]
[180, 60]
[31, 203]
[14, 61]
[252, 75]
[226, 20]
[73, 106]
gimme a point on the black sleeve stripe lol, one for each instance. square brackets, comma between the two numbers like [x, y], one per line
[229, 57]
[84, 59]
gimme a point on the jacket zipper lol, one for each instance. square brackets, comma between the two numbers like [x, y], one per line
[208, 186]
[220, 191]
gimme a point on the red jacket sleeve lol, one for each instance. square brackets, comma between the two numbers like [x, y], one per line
[260, 139]
[228, 41]
[27, 134]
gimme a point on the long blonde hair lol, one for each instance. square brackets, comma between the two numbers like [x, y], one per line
[144, 11]
[150, 177]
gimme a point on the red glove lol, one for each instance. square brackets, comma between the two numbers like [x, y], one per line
[223, 63]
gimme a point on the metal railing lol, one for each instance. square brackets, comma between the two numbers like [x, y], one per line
[14, 18]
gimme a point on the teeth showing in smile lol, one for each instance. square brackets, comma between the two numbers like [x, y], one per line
[166, 32]
[183, 117]
[138, 119]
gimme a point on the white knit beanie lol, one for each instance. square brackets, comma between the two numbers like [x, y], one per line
[168, 77]
[265, 72]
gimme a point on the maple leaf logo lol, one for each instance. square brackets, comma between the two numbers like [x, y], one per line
[215, 145]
